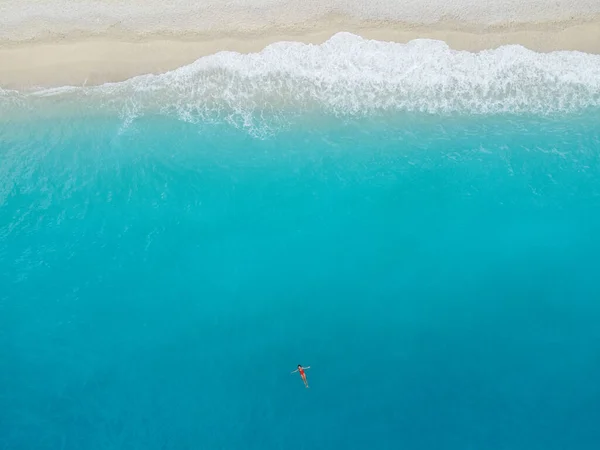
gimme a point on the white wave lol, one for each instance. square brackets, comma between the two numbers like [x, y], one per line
[349, 75]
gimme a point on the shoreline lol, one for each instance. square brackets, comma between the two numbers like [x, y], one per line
[93, 59]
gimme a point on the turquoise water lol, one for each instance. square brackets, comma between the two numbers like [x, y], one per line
[161, 274]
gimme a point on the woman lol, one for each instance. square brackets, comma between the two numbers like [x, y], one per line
[302, 374]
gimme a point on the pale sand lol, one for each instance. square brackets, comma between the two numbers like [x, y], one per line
[115, 56]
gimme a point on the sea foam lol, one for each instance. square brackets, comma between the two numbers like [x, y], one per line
[350, 75]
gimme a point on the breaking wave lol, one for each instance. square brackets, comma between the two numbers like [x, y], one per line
[350, 75]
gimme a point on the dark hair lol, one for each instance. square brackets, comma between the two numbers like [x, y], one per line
[299, 365]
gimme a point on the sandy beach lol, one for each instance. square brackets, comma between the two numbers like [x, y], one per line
[42, 46]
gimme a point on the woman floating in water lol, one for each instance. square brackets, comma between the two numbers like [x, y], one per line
[302, 374]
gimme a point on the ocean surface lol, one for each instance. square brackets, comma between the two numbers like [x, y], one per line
[420, 226]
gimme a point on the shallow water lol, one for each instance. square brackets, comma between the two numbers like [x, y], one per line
[162, 274]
